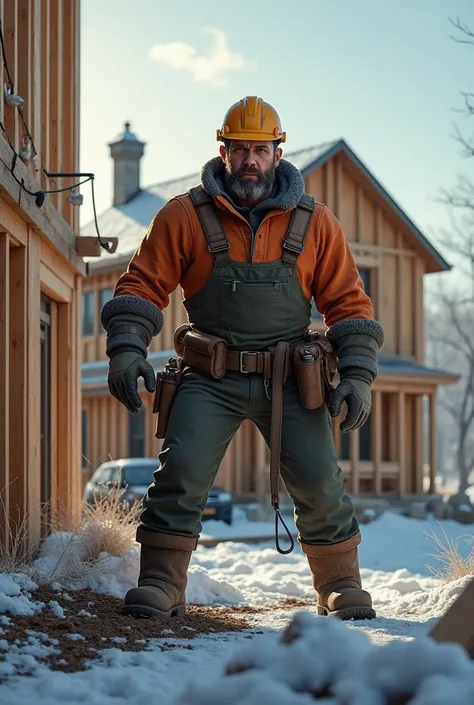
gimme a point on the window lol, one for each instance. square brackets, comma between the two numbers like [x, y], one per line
[104, 296]
[88, 313]
[365, 275]
[136, 434]
[84, 437]
[365, 441]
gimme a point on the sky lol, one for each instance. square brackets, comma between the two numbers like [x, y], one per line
[386, 76]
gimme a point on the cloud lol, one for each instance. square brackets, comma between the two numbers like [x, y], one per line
[204, 69]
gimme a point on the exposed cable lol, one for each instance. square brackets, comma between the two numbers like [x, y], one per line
[41, 194]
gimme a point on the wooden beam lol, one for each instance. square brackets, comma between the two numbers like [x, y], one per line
[401, 425]
[23, 79]
[359, 212]
[376, 437]
[53, 286]
[18, 389]
[4, 384]
[354, 455]
[432, 441]
[66, 105]
[419, 318]
[12, 223]
[34, 388]
[419, 442]
[10, 35]
[46, 219]
[36, 73]
[45, 86]
[56, 264]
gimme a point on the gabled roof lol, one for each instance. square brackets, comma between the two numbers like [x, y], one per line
[130, 221]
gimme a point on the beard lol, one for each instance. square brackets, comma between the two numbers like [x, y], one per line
[249, 189]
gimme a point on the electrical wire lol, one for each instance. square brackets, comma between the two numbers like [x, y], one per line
[40, 195]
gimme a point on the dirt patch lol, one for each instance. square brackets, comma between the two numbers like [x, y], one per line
[93, 622]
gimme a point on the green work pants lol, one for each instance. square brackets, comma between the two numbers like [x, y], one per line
[205, 416]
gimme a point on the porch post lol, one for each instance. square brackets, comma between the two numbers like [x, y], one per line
[432, 453]
[377, 440]
[401, 442]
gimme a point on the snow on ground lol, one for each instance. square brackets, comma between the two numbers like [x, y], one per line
[394, 555]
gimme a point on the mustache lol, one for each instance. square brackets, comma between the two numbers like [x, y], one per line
[247, 170]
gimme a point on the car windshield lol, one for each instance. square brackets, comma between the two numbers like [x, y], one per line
[138, 474]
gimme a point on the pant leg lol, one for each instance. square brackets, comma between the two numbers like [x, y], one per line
[206, 414]
[324, 513]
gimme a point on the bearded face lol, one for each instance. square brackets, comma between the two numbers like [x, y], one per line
[250, 170]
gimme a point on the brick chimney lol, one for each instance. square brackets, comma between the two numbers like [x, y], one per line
[126, 151]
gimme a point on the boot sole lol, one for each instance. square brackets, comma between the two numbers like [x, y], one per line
[145, 611]
[348, 613]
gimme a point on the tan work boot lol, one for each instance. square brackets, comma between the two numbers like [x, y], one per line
[336, 579]
[164, 563]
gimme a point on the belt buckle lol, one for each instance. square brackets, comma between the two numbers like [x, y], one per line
[241, 360]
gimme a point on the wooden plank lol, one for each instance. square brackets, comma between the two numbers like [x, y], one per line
[419, 442]
[67, 82]
[4, 383]
[2, 71]
[419, 318]
[34, 388]
[10, 33]
[46, 219]
[23, 79]
[75, 381]
[45, 84]
[456, 625]
[75, 82]
[55, 403]
[18, 384]
[36, 73]
[354, 453]
[65, 338]
[432, 441]
[377, 439]
[12, 223]
[57, 264]
[401, 425]
[53, 158]
[53, 286]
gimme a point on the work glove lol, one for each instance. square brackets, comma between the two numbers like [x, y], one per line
[124, 370]
[355, 390]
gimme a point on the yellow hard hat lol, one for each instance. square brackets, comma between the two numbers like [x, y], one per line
[251, 119]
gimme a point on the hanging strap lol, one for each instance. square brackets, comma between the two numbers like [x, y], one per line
[281, 365]
[217, 242]
[293, 244]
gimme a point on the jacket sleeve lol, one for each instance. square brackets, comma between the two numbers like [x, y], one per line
[160, 261]
[337, 287]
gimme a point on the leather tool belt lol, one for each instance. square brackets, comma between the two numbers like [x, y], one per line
[311, 360]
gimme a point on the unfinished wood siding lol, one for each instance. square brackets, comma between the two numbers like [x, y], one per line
[41, 45]
[40, 273]
[380, 245]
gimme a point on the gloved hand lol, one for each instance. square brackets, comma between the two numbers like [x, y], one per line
[124, 370]
[356, 392]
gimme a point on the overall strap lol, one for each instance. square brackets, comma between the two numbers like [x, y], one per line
[293, 244]
[217, 242]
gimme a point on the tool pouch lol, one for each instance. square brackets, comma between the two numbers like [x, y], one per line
[204, 352]
[315, 366]
[167, 383]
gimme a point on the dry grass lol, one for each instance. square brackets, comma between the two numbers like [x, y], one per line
[454, 564]
[106, 527]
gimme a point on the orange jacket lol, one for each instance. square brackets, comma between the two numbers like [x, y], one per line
[174, 252]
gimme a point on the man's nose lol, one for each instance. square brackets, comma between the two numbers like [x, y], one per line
[250, 159]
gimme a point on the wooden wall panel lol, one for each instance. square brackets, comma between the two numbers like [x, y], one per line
[314, 184]
[389, 293]
[348, 205]
[4, 384]
[18, 383]
[10, 33]
[406, 306]
[34, 383]
[368, 220]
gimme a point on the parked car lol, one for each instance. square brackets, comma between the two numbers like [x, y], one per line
[135, 475]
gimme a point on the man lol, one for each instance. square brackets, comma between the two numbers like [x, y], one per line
[250, 282]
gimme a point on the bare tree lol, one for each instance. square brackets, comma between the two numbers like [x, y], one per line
[451, 325]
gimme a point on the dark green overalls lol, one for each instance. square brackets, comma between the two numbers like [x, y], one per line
[252, 306]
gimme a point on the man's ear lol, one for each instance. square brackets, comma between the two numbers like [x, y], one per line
[222, 152]
[278, 155]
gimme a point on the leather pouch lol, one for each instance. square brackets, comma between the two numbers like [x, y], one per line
[167, 383]
[315, 366]
[206, 353]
